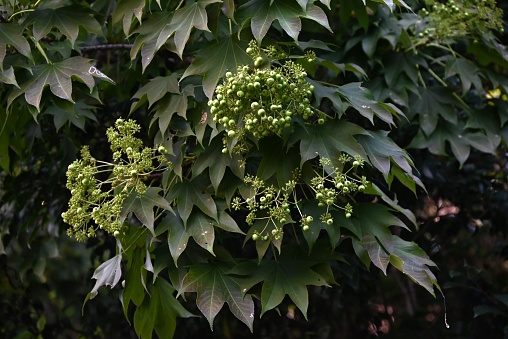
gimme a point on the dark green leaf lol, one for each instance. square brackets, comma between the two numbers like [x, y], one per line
[65, 19]
[411, 260]
[159, 311]
[190, 193]
[283, 277]
[12, 34]
[200, 227]
[214, 288]
[328, 140]
[58, 77]
[215, 59]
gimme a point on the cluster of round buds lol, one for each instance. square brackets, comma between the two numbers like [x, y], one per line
[329, 188]
[262, 101]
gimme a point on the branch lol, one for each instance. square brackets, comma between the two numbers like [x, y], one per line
[105, 47]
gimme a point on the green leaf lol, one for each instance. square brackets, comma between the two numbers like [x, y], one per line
[375, 220]
[183, 21]
[107, 274]
[65, 19]
[169, 105]
[459, 139]
[432, 103]
[58, 77]
[262, 13]
[377, 254]
[148, 33]
[190, 193]
[217, 162]
[215, 59]
[362, 100]
[155, 90]
[310, 208]
[200, 227]
[277, 160]
[12, 34]
[8, 77]
[177, 235]
[328, 140]
[288, 12]
[466, 70]
[214, 288]
[125, 10]
[142, 205]
[383, 152]
[284, 277]
[226, 222]
[159, 311]
[134, 280]
[411, 260]
[64, 112]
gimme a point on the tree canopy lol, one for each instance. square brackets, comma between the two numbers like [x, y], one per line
[308, 163]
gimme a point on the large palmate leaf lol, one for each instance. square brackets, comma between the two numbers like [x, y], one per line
[182, 23]
[159, 311]
[142, 206]
[467, 72]
[67, 112]
[431, 103]
[214, 288]
[12, 35]
[186, 194]
[328, 140]
[460, 141]
[215, 59]
[66, 19]
[287, 12]
[286, 276]
[58, 77]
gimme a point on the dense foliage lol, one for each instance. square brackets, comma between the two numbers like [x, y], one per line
[311, 158]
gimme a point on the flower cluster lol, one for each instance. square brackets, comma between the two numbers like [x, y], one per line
[262, 100]
[460, 18]
[330, 187]
[101, 201]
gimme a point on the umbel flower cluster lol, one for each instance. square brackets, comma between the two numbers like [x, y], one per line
[331, 189]
[262, 100]
[96, 204]
[455, 18]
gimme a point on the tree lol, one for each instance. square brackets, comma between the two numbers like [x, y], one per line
[242, 152]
